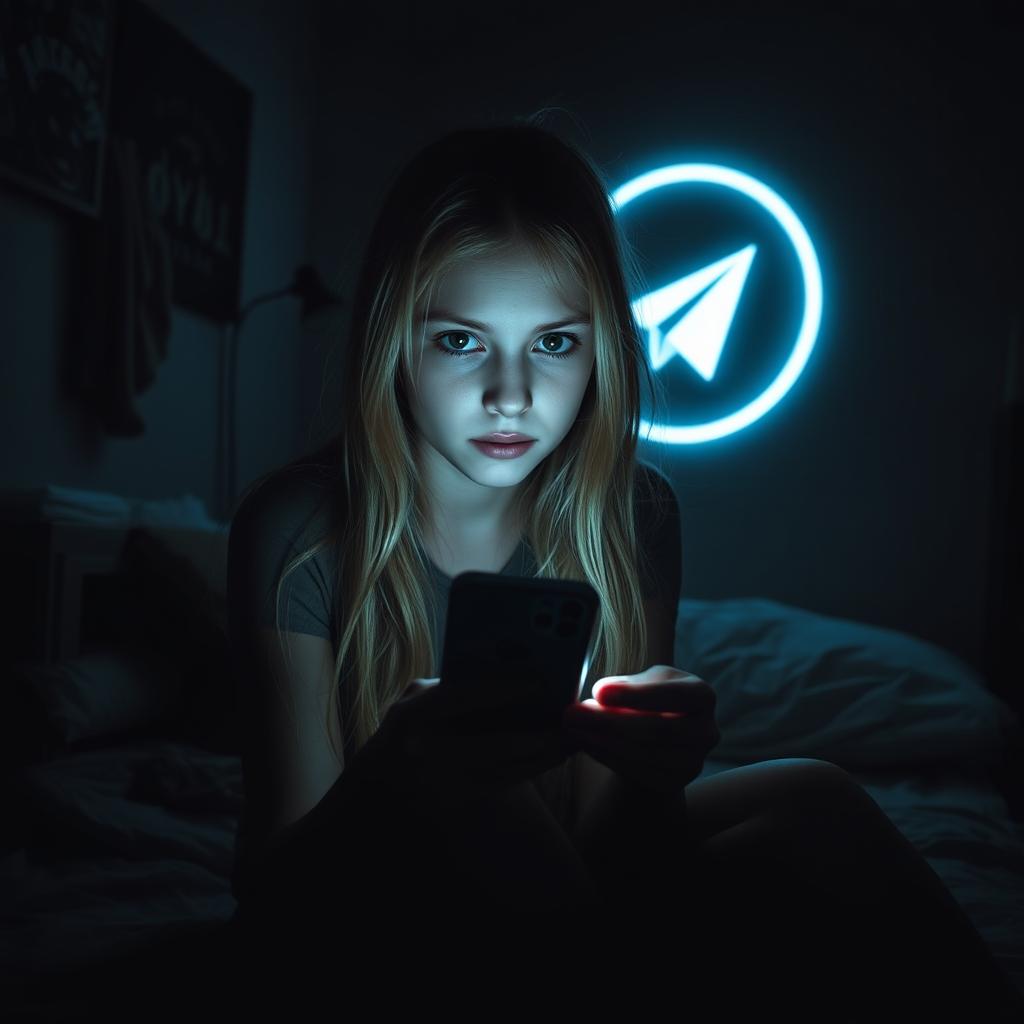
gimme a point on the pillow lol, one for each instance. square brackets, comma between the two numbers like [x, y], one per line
[793, 683]
[95, 696]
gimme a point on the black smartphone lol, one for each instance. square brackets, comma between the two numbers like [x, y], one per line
[528, 640]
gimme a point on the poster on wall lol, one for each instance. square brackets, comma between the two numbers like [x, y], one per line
[55, 72]
[189, 122]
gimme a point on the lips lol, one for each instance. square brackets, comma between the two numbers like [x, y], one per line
[497, 438]
[503, 450]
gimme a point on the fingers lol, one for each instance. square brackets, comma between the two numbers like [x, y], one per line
[687, 696]
[620, 710]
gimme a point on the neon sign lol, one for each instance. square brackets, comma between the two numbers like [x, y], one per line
[699, 337]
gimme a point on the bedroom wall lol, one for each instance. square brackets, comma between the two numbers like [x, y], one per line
[266, 46]
[867, 492]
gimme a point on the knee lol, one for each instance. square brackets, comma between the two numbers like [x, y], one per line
[812, 783]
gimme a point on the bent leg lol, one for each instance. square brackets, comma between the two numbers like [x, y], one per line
[896, 912]
[499, 884]
[798, 842]
[438, 888]
[790, 866]
[508, 853]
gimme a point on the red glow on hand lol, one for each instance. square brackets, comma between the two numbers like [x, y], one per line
[593, 705]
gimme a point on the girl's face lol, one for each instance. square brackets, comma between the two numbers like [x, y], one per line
[523, 355]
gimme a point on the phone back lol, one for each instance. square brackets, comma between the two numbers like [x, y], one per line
[525, 638]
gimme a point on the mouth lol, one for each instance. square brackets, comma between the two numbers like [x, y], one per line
[503, 449]
[499, 438]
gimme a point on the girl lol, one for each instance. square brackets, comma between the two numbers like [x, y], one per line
[493, 300]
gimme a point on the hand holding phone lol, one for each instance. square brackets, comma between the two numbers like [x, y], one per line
[435, 744]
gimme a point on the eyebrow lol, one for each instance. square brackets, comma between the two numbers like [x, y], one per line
[435, 315]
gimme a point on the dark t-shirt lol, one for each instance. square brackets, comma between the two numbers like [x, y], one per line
[294, 508]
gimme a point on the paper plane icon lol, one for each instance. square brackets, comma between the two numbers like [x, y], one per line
[699, 336]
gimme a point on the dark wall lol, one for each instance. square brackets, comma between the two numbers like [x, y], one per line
[55, 441]
[867, 491]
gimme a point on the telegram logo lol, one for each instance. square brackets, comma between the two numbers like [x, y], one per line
[689, 320]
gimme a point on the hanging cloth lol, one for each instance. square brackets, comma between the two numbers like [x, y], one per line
[127, 298]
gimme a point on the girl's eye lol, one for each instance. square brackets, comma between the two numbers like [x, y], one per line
[572, 338]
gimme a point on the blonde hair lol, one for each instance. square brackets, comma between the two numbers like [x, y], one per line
[470, 194]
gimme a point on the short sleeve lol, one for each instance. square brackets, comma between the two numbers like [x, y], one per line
[659, 541]
[281, 518]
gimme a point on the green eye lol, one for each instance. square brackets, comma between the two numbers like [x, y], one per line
[572, 338]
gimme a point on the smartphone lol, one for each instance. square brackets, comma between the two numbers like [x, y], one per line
[528, 640]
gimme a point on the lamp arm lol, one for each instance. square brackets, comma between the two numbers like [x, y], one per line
[259, 300]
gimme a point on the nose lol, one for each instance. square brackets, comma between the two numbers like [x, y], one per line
[509, 391]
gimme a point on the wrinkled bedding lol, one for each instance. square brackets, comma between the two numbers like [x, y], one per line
[135, 841]
[125, 843]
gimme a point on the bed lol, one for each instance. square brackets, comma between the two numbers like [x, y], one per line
[123, 779]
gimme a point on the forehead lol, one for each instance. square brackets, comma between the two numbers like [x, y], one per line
[517, 275]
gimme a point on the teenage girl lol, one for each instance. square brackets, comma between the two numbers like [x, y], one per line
[494, 298]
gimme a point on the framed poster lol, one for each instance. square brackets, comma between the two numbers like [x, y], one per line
[55, 72]
[190, 121]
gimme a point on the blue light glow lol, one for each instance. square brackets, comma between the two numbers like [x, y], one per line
[700, 335]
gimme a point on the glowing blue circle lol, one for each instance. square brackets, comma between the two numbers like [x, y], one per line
[789, 222]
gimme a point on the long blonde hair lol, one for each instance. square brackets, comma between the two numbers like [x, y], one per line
[468, 195]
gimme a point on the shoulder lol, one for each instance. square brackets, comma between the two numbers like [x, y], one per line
[284, 513]
[659, 532]
[288, 505]
[654, 493]
[288, 512]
